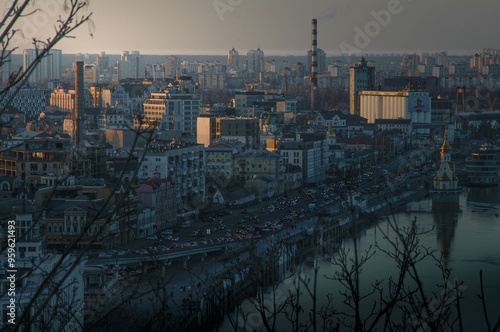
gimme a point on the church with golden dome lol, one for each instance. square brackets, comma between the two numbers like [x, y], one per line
[445, 179]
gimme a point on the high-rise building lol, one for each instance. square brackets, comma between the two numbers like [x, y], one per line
[321, 61]
[441, 59]
[429, 61]
[362, 78]
[255, 61]
[212, 80]
[321, 56]
[131, 65]
[409, 62]
[298, 70]
[474, 61]
[438, 71]
[137, 61]
[174, 108]
[55, 62]
[102, 60]
[49, 67]
[425, 69]
[91, 74]
[233, 59]
[171, 66]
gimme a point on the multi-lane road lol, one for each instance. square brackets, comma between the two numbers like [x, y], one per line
[248, 223]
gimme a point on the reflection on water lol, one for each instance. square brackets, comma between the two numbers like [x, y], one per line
[466, 230]
[445, 209]
[487, 195]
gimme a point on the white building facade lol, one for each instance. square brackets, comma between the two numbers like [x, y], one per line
[49, 68]
[174, 108]
[414, 105]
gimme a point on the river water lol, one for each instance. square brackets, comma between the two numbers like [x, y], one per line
[466, 231]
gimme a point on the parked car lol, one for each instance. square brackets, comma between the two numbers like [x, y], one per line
[152, 237]
[167, 232]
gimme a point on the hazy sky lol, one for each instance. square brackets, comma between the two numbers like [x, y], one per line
[283, 27]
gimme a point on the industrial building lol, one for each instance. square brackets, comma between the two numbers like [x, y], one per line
[410, 104]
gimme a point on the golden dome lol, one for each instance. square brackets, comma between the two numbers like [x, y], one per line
[446, 148]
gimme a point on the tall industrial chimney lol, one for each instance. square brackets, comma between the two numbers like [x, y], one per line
[79, 106]
[314, 63]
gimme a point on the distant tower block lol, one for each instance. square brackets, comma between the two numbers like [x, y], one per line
[362, 78]
[460, 103]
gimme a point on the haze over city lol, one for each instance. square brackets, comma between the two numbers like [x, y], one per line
[249, 165]
[281, 27]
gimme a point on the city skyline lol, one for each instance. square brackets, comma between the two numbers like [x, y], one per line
[214, 27]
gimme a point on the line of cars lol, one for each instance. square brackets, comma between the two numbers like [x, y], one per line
[243, 233]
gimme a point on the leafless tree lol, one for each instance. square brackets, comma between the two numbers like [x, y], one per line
[74, 15]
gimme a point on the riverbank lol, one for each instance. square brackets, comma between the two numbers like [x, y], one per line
[202, 292]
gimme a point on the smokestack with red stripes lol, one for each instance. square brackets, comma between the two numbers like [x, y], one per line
[314, 64]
